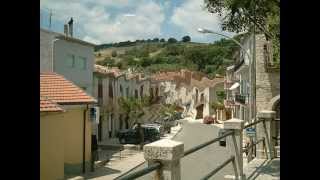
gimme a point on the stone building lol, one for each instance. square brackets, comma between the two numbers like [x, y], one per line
[109, 84]
[257, 81]
[191, 91]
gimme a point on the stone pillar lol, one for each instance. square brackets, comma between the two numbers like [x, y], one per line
[264, 130]
[168, 153]
[234, 143]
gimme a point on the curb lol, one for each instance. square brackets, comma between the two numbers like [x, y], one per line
[177, 132]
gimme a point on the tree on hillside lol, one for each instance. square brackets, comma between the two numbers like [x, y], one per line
[155, 40]
[172, 40]
[186, 39]
[114, 53]
[162, 40]
[107, 62]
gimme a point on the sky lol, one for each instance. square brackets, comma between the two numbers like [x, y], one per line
[109, 21]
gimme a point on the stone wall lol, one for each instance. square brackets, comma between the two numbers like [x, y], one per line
[267, 83]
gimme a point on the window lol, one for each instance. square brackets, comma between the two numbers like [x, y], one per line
[121, 90]
[141, 91]
[110, 90]
[70, 61]
[136, 93]
[197, 94]
[82, 63]
[127, 91]
[100, 92]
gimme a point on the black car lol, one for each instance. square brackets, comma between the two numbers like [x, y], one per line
[131, 136]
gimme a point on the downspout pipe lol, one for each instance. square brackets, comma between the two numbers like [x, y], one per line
[84, 140]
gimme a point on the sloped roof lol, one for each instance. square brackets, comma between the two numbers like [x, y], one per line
[49, 106]
[107, 71]
[62, 91]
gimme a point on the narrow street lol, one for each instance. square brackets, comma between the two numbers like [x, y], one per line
[198, 164]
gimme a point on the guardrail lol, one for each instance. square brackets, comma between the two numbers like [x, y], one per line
[231, 159]
[165, 155]
[158, 165]
[142, 172]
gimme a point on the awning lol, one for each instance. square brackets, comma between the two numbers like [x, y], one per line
[234, 86]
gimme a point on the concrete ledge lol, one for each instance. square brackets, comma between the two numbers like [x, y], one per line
[233, 124]
[76, 178]
[267, 114]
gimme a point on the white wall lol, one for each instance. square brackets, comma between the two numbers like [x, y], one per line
[81, 77]
[46, 45]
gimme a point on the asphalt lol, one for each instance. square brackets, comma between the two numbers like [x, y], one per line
[200, 163]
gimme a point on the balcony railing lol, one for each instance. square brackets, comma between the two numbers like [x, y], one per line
[240, 98]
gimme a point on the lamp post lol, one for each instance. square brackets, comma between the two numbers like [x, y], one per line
[201, 30]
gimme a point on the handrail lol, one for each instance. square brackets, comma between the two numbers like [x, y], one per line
[213, 172]
[251, 124]
[253, 144]
[194, 149]
[141, 172]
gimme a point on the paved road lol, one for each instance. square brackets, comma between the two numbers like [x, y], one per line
[196, 165]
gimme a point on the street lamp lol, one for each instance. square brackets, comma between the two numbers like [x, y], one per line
[201, 30]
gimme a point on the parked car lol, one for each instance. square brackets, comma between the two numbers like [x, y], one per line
[167, 122]
[222, 141]
[131, 136]
[157, 126]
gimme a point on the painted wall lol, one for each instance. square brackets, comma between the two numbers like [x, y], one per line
[61, 143]
[78, 75]
[46, 48]
[51, 146]
[73, 135]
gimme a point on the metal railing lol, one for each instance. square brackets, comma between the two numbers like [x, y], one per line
[214, 171]
[238, 173]
[142, 172]
[158, 165]
[249, 149]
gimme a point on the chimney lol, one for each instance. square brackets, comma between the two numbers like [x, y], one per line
[66, 29]
[71, 27]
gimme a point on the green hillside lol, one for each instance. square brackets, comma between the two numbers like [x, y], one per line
[154, 56]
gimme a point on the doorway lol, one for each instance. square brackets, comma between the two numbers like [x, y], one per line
[100, 129]
[199, 111]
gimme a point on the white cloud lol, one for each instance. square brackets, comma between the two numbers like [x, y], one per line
[191, 16]
[91, 40]
[100, 25]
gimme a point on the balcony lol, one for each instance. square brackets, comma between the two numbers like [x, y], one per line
[240, 98]
[228, 103]
[227, 84]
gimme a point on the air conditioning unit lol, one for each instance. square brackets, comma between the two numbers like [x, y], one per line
[94, 114]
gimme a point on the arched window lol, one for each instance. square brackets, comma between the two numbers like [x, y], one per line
[136, 93]
[197, 94]
[141, 91]
[110, 90]
[121, 90]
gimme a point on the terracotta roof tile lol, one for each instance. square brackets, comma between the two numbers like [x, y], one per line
[61, 91]
[49, 106]
[114, 71]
